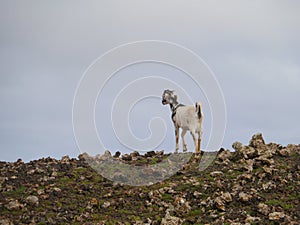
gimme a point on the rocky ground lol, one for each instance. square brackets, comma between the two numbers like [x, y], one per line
[257, 184]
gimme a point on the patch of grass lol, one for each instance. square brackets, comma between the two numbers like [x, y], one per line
[209, 177]
[19, 192]
[193, 213]
[167, 197]
[183, 187]
[281, 203]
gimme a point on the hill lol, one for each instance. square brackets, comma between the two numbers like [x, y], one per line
[257, 184]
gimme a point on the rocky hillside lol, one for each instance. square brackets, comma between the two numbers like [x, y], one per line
[257, 184]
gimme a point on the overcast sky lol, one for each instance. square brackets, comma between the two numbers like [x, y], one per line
[252, 47]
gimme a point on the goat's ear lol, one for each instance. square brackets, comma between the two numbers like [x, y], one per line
[174, 95]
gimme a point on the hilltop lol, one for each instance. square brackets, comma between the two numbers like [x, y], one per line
[259, 183]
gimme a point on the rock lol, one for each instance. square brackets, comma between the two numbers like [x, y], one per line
[84, 156]
[249, 152]
[219, 203]
[237, 146]
[251, 219]
[269, 186]
[150, 154]
[94, 202]
[216, 173]
[126, 157]
[225, 154]
[219, 184]
[285, 152]
[246, 164]
[197, 194]
[181, 205]
[54, 174]
[2, 179]
[257, 141]
[105, 205]
[32, 200]
[244, 197]
[265, 160]
[263, 208]
[276, 215]
[293, 148]
[5, 222]
[222, 199]
[107, 155]
[56, 189]
[40, 191]
[13, 205]
[160, 153]
[134, 154]
[171, 220]
[65, 159]
[117, 154]
[226, 197]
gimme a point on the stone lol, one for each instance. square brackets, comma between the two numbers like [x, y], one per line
[226, 197]
[276, 215]
[244, 197]
[150, 154]
[263, 208]
[171, 220]
[107, 155]
[197, 194]
[40, 191]
[237, 146]
[5, 222]
[216, 173]
[160, 153]
[251, 219]
[105, 205]
[223, 155]
[117, 154]
[32, 200]
[135, 154]
[13, 205]
[257, 141]
[94, 202]
[65, 159]
[56, 189]
[219, 184]
[126, 157]
[269, 186]
[219, 203]
[246, 164]
[249, 152]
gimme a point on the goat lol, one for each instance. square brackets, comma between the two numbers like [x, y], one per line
[186, 117]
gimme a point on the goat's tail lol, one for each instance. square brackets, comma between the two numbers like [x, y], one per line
[199, 110]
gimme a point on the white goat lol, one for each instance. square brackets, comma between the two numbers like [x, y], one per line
[186, 117]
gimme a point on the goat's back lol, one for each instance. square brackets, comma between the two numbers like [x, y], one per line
[187, 118]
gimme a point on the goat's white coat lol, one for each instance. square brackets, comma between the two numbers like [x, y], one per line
[188, 118]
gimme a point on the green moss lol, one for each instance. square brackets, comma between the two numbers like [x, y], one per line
[167, 197]
[18, 193]
[193, 213]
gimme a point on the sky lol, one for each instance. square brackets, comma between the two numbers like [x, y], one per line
[252, 47]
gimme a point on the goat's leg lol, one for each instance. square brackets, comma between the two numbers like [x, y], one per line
[183, 141]
[177, 138]
[199, 143]
[199, 137]
[195, 141]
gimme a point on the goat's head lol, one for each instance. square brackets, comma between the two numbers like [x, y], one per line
[169, 97]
